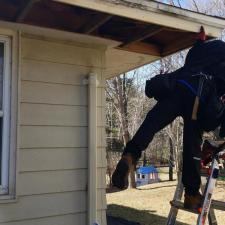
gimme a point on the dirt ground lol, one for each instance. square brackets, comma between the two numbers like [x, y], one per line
[149, 205]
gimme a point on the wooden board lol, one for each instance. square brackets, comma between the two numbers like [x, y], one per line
[67, 219]
[38, 206]
[60, 94]
[42, 159]
[33, 70]
[44, 50]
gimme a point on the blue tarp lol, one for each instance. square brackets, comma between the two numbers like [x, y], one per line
[147, 170]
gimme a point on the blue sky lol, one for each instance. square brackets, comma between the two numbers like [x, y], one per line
[184, 3]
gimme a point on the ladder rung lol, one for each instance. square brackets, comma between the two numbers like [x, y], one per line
[180, 205]
[205, 174]
[218, 205]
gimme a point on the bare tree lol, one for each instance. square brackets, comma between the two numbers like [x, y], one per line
[130, 104]
[119, 89]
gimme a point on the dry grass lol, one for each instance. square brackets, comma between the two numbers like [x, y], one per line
[149, 205]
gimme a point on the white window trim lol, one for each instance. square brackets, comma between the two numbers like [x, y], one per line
[13, 38]
[4, 188]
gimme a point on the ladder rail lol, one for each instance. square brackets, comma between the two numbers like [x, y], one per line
[176, 203]
[177, 195]
[210, 186]
[211, 216]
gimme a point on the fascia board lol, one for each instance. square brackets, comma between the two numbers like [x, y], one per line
[156, 13]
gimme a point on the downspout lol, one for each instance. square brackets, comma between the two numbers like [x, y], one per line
[92, 149]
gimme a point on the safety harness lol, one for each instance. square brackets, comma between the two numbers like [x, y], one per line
[197, 93]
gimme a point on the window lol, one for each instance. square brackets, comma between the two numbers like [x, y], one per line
[4, 114]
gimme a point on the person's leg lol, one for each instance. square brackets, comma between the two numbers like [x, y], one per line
[191, 157]
[163, 113]
[192, 140]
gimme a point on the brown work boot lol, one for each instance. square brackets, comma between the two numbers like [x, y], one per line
[120, 175]
[207, 152]
[193, 202]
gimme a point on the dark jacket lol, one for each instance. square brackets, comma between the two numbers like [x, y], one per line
[206, 58]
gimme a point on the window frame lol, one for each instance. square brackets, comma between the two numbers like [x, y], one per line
[13, 39]
[5, 115]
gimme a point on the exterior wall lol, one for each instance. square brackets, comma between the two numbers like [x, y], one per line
[52, 164]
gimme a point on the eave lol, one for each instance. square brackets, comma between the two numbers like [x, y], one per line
[141, 31]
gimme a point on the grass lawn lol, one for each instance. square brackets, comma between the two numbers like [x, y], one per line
[149, 205]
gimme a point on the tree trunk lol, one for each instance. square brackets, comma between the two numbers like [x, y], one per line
[123, 108]
[123, 105]
[109, 168]
[171, 161]
[144, 160]
[132, 181]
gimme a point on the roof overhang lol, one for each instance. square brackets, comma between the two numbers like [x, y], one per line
[136, 31]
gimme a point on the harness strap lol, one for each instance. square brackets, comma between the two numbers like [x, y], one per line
[198, 96]
[197, 93]
[188, 86]
[195, 108]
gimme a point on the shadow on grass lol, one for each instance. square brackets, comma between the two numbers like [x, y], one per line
[144, 217]
[152, 188]
[164, 181]
[115, 189]
[111, 220]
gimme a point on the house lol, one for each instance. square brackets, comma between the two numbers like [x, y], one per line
[54, 59]
[146, 175]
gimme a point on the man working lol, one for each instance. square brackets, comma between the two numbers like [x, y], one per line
[201, 76]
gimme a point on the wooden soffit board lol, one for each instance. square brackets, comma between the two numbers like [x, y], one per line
[143, 27]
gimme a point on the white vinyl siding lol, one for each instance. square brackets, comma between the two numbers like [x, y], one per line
[52, 163]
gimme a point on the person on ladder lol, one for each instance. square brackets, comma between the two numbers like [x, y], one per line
[196, 93]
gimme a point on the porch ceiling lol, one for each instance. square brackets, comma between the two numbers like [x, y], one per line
[144, 28]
